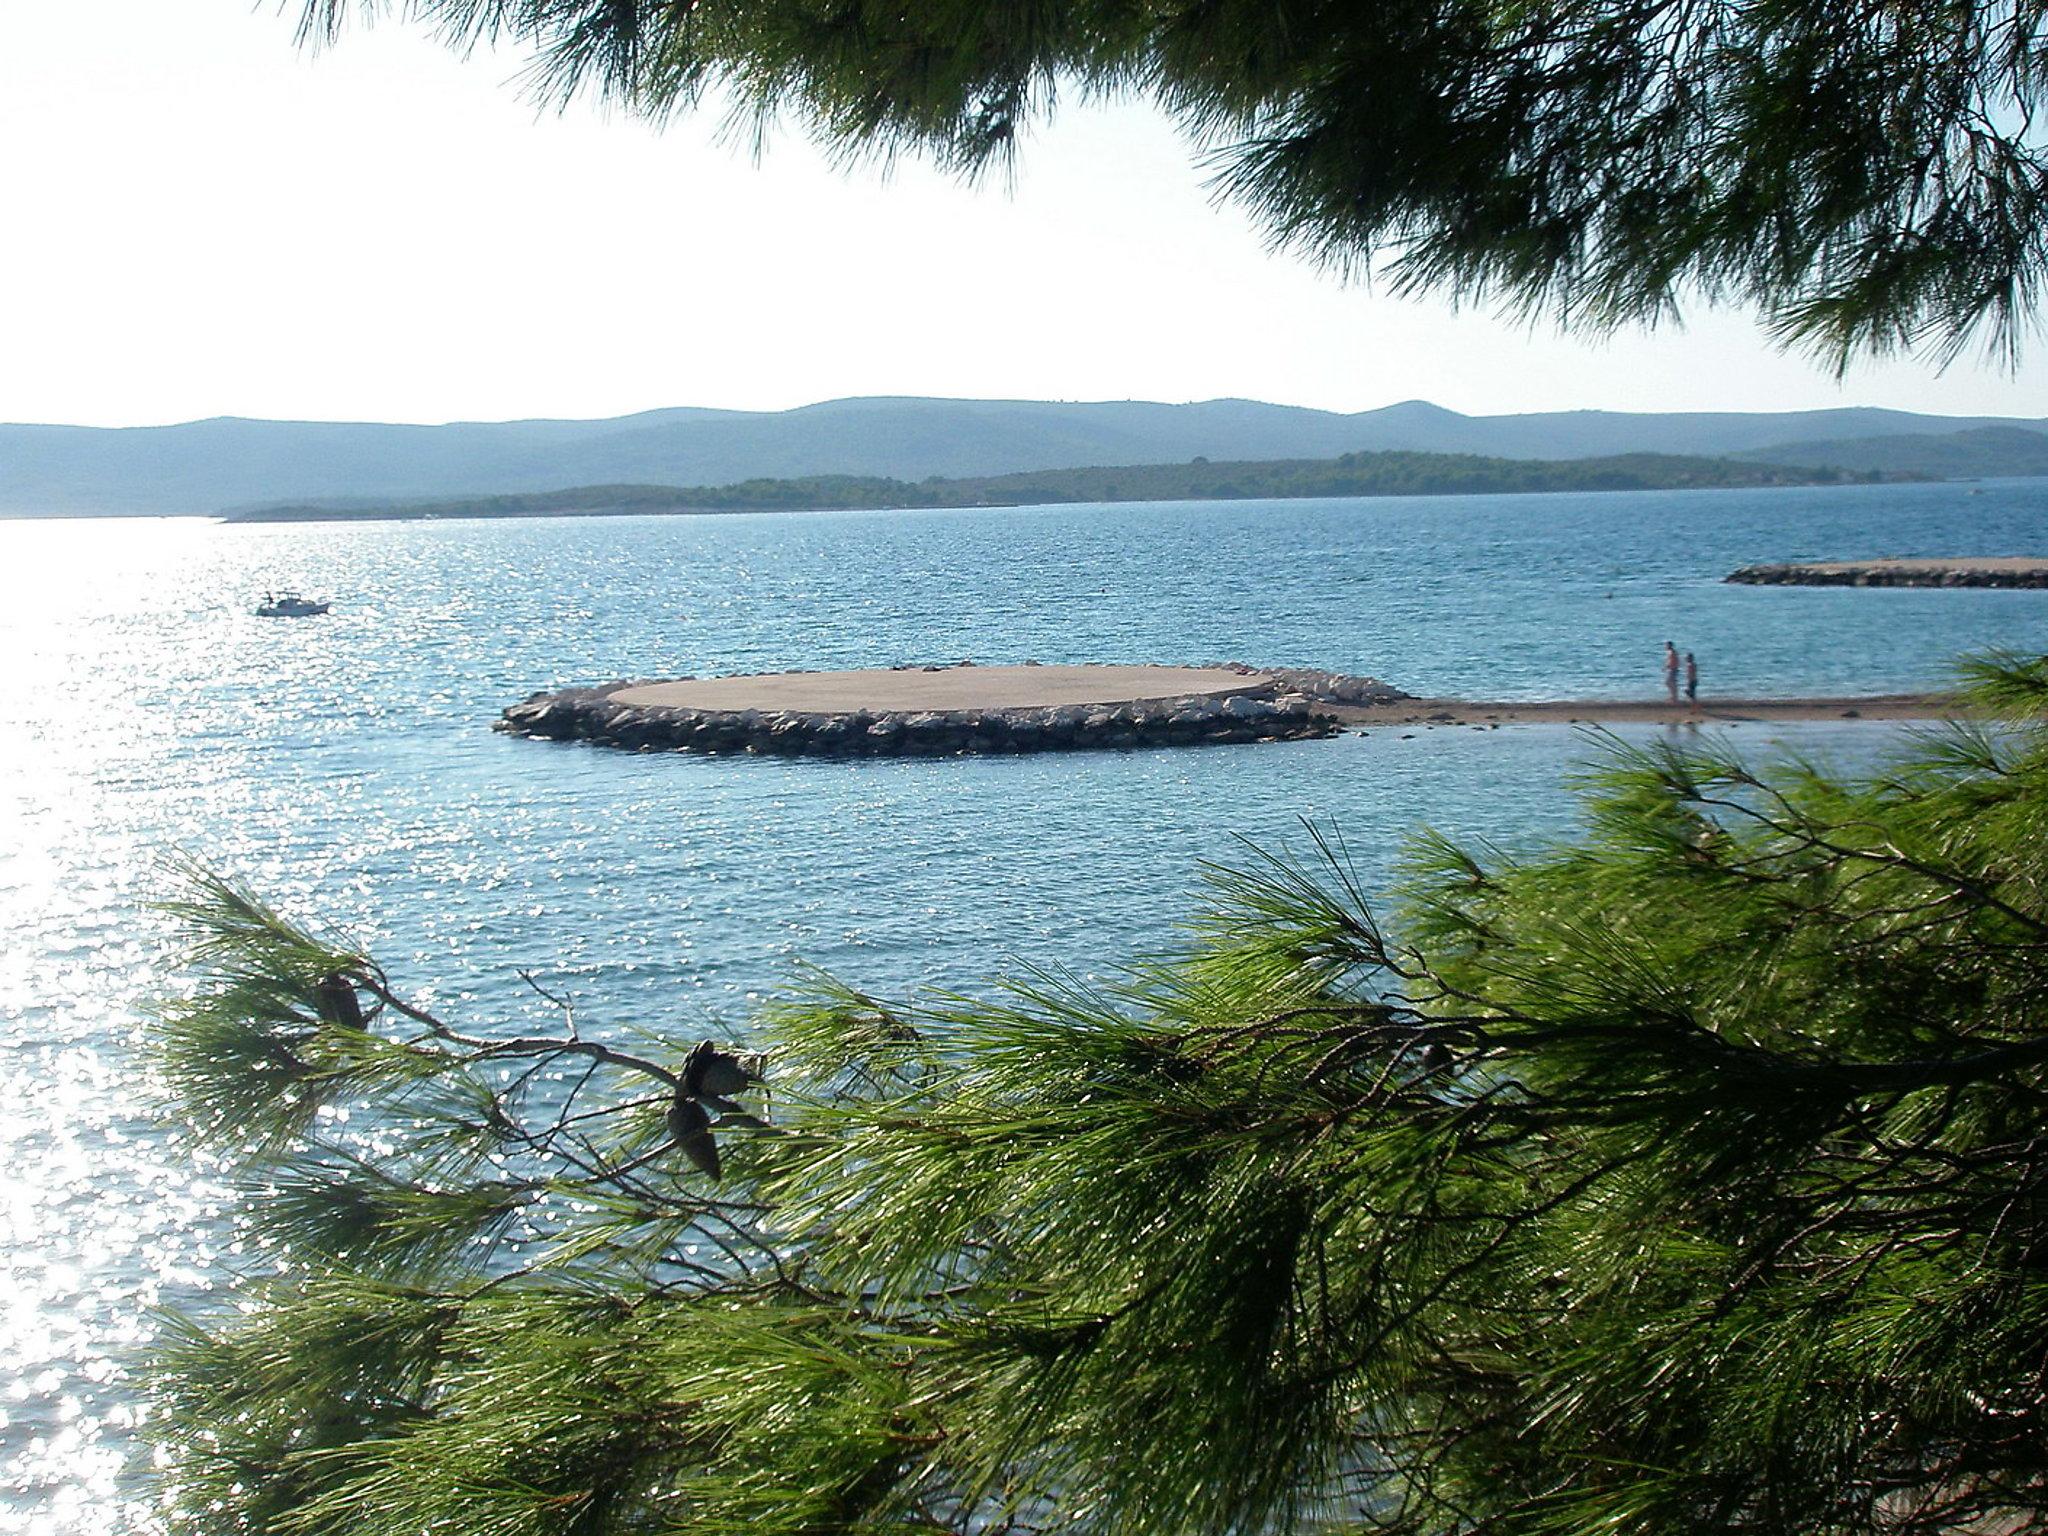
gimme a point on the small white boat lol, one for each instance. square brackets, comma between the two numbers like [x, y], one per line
[289, 605]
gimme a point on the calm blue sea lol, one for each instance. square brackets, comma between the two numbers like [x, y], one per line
[344, 766]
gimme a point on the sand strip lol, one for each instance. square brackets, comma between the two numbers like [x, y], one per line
[1888, 706]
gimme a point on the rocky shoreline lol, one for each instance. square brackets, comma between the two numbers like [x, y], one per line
[1999, 571]
[1276, 704]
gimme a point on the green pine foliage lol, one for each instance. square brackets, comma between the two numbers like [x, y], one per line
[1686, 1177]
[1870, 177]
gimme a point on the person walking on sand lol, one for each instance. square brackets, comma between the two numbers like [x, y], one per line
[1692, 681]
[1671, 671]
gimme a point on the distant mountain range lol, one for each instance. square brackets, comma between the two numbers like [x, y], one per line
[218, 465]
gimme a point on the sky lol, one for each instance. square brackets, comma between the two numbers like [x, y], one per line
[202, 219]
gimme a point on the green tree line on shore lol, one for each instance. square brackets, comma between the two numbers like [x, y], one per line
[1392, 473]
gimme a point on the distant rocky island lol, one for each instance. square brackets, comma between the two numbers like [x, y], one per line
[1350, 474]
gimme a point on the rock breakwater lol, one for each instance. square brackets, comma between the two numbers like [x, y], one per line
[1223, 704]
[1993, 571]
[1323, 687]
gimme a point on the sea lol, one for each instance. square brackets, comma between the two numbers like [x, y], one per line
[344, 768]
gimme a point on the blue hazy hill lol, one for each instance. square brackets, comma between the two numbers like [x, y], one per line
[210, 466]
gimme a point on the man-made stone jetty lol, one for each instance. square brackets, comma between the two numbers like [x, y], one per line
[951, 710]
[1982, 571]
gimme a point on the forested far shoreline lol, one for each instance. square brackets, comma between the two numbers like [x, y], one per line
[1393, 473]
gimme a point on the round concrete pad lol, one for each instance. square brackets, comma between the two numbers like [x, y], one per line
[844, 693]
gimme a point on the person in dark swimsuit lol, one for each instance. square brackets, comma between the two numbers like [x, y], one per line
[1692, 679]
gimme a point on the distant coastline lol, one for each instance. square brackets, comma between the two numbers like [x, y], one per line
[1392, 473]
[226, 465]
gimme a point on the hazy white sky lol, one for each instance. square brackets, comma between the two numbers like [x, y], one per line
[201, 220]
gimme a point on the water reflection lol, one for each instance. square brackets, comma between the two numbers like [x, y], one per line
[341, 765]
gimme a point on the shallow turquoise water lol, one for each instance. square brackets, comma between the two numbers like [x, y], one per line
[343, 766]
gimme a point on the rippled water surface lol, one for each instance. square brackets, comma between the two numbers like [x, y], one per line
[343, 765]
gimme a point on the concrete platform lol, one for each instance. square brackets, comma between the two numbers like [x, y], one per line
[948, 711]
[913, 689]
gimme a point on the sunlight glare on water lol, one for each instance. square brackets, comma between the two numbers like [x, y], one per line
[343, 767]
